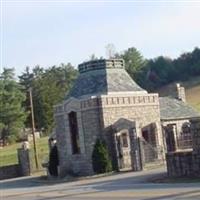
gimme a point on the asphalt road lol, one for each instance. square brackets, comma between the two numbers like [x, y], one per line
[128, 186]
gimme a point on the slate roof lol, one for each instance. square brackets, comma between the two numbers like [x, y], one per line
[102, 81]
[171, 108]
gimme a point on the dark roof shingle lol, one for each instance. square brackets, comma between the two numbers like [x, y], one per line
[171, 108]
[103, 81]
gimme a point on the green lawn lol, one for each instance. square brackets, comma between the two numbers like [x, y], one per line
[8, 155]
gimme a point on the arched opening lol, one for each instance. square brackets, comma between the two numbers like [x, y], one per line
[74, 133]
[185, 138]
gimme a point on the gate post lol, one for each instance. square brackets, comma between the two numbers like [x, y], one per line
[24, 161]
[136, 154]
[195, 129]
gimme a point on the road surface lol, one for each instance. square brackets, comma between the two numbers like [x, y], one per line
[127, 186]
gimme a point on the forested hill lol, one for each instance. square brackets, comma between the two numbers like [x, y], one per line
[160, 74]
[154, 73]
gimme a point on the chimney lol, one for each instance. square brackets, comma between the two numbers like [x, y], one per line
[180, 92]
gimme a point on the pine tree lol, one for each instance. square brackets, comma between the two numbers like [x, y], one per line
[12, 115]
[49, 86]
[100, 158]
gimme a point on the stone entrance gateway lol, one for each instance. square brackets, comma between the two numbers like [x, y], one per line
[105, 103]
[126, 142]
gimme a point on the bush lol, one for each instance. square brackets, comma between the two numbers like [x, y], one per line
[100, 158]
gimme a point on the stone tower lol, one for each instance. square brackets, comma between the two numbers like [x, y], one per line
[105, 103]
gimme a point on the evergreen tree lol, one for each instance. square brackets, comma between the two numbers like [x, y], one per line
[26, 80]
[49, 86]
[134, 62]
[160, 72]
[135, 65]
[100, 158]
[12, 115]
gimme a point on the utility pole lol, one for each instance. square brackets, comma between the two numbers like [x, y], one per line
[33, 128]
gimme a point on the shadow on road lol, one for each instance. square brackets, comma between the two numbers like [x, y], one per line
[114, 182]
[19, 183]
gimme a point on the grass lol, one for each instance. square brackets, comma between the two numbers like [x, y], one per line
[42, 151]
[192, 89]
[193, 96]
[8, 155]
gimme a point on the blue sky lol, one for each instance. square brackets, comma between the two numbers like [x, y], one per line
[53, 32]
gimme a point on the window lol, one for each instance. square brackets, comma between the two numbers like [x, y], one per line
[185, 138]
[74, 133]
[124, 140]
[145, 135]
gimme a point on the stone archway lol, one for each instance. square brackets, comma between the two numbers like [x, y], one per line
[126, 142]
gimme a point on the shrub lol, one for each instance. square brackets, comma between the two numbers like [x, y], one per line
[100, 158]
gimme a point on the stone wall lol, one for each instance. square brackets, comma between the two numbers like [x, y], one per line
[195, 128]
[186, 163]
[143, 109]
[96, 117]
[23, 168]
[183, 164]
[88, 121]
[179, 164]
[11, 171]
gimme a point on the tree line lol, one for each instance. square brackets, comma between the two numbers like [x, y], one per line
[152, 74]
[49, 86]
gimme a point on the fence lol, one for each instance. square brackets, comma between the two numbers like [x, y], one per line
[184, 141]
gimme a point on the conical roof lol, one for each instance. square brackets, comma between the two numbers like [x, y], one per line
[100, 77]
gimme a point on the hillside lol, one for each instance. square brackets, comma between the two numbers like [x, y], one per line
[192, 88]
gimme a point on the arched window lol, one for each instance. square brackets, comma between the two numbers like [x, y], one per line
[185, 139]
[124, 139]
[74, 133]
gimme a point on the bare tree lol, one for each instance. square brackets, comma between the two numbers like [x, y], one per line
[110, 50]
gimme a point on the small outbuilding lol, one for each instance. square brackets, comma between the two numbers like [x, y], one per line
[176, 115]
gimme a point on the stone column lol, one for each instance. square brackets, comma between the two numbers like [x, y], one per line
[195, 130]
[136, 154]
[170, 138]
[116, 153]
[24, 161]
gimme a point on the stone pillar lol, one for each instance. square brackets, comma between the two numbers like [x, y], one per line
[195, 130]
[116, 153]
[24, 161]
[136, 151]
[170, 138]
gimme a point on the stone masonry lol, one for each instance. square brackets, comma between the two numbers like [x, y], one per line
[186, 163]
[102, 97]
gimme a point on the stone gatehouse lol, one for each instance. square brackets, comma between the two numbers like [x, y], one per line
[106, 103]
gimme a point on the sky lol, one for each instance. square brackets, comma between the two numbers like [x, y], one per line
[48, 33]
